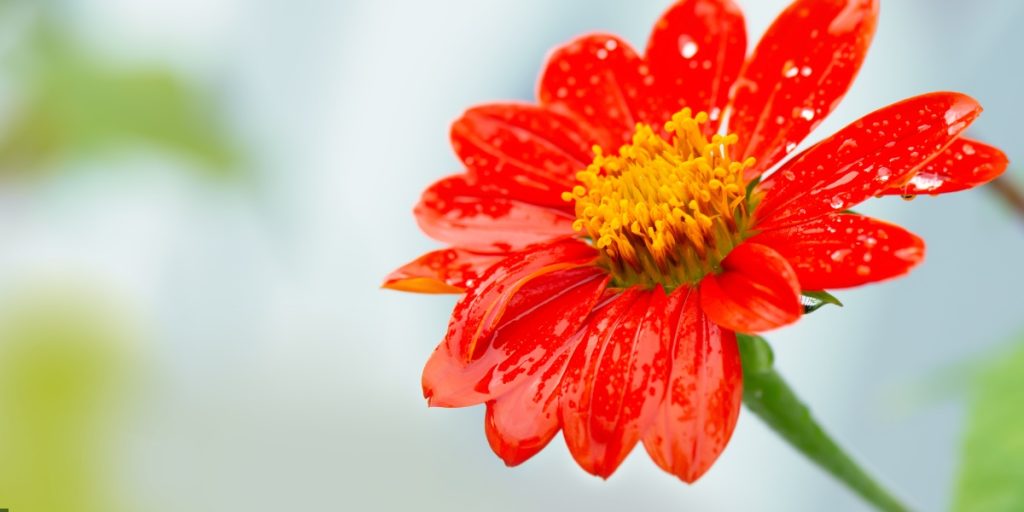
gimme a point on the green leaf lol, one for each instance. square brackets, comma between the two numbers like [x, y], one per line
[992, 473]
[77, 104]
[814, 300]
[768, 396]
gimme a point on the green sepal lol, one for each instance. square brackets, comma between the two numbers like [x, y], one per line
[813, 300]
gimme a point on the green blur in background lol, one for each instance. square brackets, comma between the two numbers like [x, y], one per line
[74, 104]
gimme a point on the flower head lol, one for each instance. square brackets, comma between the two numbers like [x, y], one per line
[612, 238]
[663, 212]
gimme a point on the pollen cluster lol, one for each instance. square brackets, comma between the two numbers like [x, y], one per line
[664, 211]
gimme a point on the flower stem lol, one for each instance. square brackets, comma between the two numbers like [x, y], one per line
[767, 395]
[1009, 193]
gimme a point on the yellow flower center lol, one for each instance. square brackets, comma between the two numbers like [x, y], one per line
[664, 211]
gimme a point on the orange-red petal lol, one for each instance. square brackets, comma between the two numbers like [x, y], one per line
[523, 421]
[522, 151]
[611, 388]
[449, 270]
[597, 78]
[845, 250]
[522, 315]
[863, 159]
[695, 53]
[698, 414]
[756, 291]
[965, 164]
[467, 213]
[796, 76]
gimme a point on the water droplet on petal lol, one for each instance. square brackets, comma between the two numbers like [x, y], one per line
[840, 255]
[687, 48]
[807, 114]
[848, 145]
[789, 69]
[837, 203]
[969, 149]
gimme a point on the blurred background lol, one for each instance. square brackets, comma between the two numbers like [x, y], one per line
[199, 199]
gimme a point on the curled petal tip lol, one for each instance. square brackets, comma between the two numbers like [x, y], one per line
[420, 285]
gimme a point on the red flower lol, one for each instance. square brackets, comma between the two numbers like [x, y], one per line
[603, 288]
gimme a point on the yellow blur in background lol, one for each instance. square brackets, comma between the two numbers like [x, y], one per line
[65, 366]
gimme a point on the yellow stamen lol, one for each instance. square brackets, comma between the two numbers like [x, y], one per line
[664, 212]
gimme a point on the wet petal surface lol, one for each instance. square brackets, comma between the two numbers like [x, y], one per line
[845, 250]
[863, 159]
[506, 329]
[523, 421]
[467, 213]
[694, 55]
[698, 414]
[522, 151]
[443, 271]
[756, 291]
[611, 387]
[598, 79]
[965, 164]
[796, 76]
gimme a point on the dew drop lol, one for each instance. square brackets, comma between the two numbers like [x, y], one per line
[969, 149]
[863, 270]
[789, 69]
[884, 174]
[837, 203]
[789, 175]
[839, 255]
[687, 48]
[908, 197]
[807, 114]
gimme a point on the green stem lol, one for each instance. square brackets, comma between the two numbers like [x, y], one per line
[768, 396]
